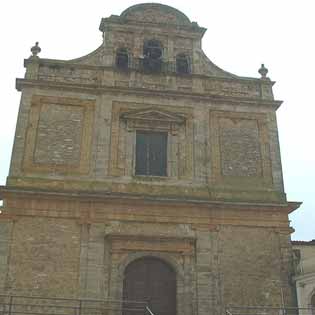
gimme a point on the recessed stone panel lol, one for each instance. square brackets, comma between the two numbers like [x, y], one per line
[240, 153]
[240, 147]
[59, 134]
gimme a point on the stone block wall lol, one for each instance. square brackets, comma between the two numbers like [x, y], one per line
[44, 257]
[79, 249]
[5, 238]
[82, 141]
[259, 276]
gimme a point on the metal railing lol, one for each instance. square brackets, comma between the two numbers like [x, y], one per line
[30, 305]
[268, 310]
[34, 305]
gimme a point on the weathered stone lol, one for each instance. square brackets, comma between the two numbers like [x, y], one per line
[75, 214]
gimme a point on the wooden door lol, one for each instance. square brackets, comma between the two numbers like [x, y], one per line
[153, 281]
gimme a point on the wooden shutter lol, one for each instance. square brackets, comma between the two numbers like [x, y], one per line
[151, 153]
[141, 154]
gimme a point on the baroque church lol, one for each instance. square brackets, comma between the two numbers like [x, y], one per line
[146, 177]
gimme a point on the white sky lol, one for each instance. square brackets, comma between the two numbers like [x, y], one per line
[241, 35]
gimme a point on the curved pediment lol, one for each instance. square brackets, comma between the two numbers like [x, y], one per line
[155, 13]
[170, 21]
[164, 25]
[96, 57]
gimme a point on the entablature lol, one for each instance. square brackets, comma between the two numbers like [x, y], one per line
[96, 90]
[129, 200]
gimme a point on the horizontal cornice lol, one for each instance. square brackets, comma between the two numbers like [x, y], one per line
[99, 89]
[8, 192]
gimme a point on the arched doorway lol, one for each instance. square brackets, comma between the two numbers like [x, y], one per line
[313, 303]
[152, 280]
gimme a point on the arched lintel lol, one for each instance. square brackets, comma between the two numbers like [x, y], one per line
[311, 296]
[165, 257]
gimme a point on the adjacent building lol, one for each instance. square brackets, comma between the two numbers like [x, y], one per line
[304, 253]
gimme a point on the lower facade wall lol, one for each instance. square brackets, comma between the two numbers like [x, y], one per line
[43, 257]
[216, 265]
[254, 268]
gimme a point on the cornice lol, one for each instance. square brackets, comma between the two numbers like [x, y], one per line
[162, 29]
[116, 21]
[98, 89]
[6, 192]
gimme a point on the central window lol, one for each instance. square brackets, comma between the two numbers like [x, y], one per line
[152, 53]
[151, 153]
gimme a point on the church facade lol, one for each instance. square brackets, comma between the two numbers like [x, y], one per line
[144, 172]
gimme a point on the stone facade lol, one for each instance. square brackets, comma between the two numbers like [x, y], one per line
[75, 214]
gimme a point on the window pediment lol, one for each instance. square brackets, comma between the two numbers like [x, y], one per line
[152, 119]
[154, 116]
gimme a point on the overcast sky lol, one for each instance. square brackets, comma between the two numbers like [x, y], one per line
[241, 35]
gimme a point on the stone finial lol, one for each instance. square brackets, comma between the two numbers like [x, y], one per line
[263, 71]
[35, 50]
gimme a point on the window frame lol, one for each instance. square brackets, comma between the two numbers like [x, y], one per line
[150, 63]
[149, 171]
[182, 57]
[120, 52]
[151, 119]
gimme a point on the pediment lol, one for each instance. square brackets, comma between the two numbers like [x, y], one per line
[155, 13]
[153, 115]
